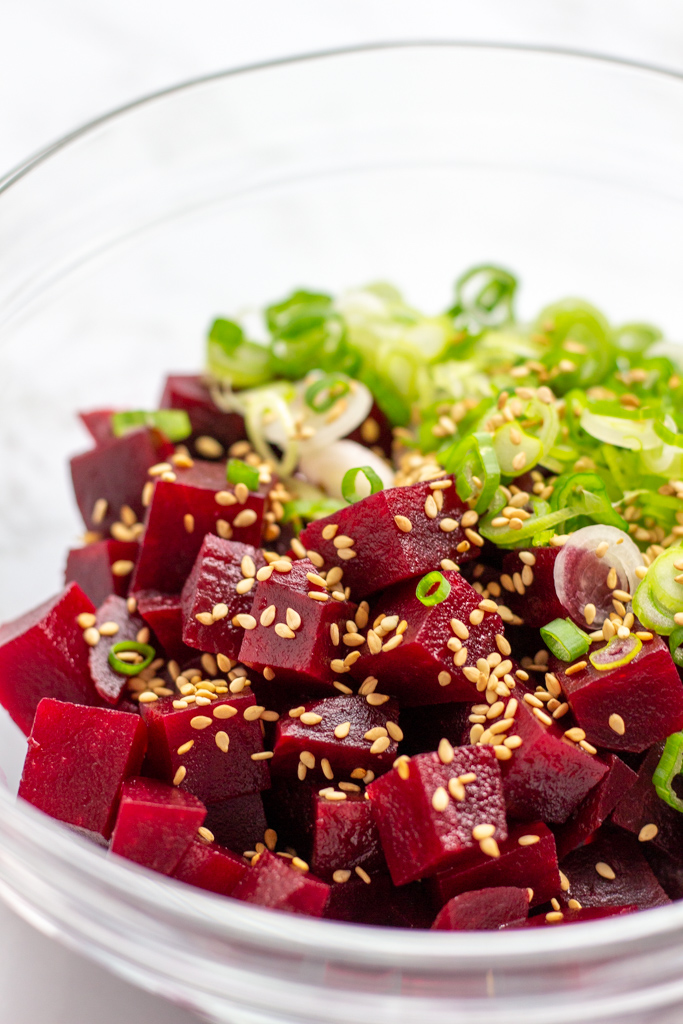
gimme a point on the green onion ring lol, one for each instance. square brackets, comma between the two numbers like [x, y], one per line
[125, 668]
[564, 639]
[668, 768]
[676, 645]
[427, 584]
[332, 387]
[348, 487]
[239, 472]
[626, 649]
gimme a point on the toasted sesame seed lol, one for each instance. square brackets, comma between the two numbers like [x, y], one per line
[310, 718]
[247, 517]
[225, 498]
[268, 673]
[431, 511]
[91, 636]
[179, 775]
[149, 697]
[394, 642]
[460, 657]
[440, 799]
[185, 747]
[253, 712]
[307, 758]
[573, 669]
[342, 730]
[263, 755]
[647, 833]
[245, 621]
[444, 678]
[476, 617]
[200, 722]
[380, 745]
[554, 917]
[264, 573]
[282, 565]
[282, 630]
[483, 831]
[341, 875]
[575, 734]
[222, 741]
[456, 790]
[205, 618]
[404, 524]
[223, 529]
[122, 567]
[375, 733]
[293, 618]
[224, 711]
[301, 771]
[588, 747]
[605, 871]
[342, 541]
[616, 724]
[377, 699]
[445, 751]
[489, 847]
[542, 717]
[528, 840]
[488, 606]
[448, 525]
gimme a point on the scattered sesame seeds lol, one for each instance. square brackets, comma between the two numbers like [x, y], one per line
[617, 724]
[448, 525]
[200, 722]
[263, 755]
[247, 517]
[179, 775]
[554, 917]
[341, 875]
[489, 847]
[91, 636]
[440, 799]
[483, 831]
[528, 840]
[329, 531]
[244, 621]
[404, 524]
[222, 741]
[605, 871]
[122, 567]
[647, 833]
[573, 669]
[444, 678]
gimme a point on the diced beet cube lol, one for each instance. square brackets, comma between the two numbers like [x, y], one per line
[383, 552]
[191, 394]
[668, 872]
[345, 836]
[639, 809]
[210, 867]
[110, 684]
[483, 910]
[273, 882]
[212, 772]
[615, 707]
[528, 865]
[547, 776]
[289, 810]
[418, 839]
[345, 753]
[156, 824]
[98, 424]
[598, 805]
[536, 600]
[421, 668]
[43, 654]
[619, 853]
[102, 568]
[163, 615]
[116, 472]
[424, 728]
[576, 916]
[221, 565]
[239, 823]
[181, 512]
[380, 902]
[77, 759]
[309, 656]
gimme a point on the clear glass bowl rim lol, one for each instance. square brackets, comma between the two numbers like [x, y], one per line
[370, 946]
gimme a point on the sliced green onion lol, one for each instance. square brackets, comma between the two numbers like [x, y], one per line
[127, 668]
[239, 472]
[564, 639]
[616, 653]
[648, 613]
[659, 597]
[348, 487]
[587, 492]
[473, 456]
[233, 359]
[668, 768]
[666, 435]
[484, 297]
[426, 593]
[323, 393]
[174, 423]
[503, 536]
[676, 645]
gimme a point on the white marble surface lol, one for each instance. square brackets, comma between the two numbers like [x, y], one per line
[63, 62]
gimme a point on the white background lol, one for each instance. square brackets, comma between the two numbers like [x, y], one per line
[63, 62]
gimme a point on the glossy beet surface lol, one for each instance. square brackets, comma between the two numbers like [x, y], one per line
[102, 568]
[188, 392]
[633, 882]
[43, 654]
[380, 902]
[212, 773]
[238, 823]
[220, 567]
[646, 693]
[639, 809]
[163, 615]
[384, 554]
[483, 910]
[211, 867]
[421, 669]
[156, 823]
[577, 916]
[598, 805]
[273, 882]
[420, 838]
[345, 836]
[98, 424]
[109, 684]
[77, 759]
[529, 590]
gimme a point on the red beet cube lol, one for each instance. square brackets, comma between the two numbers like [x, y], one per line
[218, 764]
[380, 902]
[181, 512]
[346, 752]
[619, 853]
[273, 882]
[307, 657]
[116, 471]
[383, 551]
[639, 809]
[220, 567]
[110, 684]
[239, 823]
[102, 568]
[374, 432]
[156, 824]
[423, 829]
[43, 654]
[598, 805]
[596, 697]
[345, 836]
[529, 590]
[207, 420]
[98, 424]
[576, 916]
[210, 867]
[163, 615]
[483, 910]
[421, 668]
[77, 759]
[526, 864]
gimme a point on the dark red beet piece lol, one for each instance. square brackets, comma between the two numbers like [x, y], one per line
[526, 865]
[211, 774]
[423, 728]
[634, 882]
[374, 432]
[172, 541]
[595, 696]
[310, 657]
[77, 759]
[43, 654]
[273, 882]
[419, 840]
[289, 810]
[345, 836]
[92, 568]
[110, 684]
[210, 867]
[191, 394]
[116, 471]
[156, 824]
[163, 615]
[98, 424]
[385, 554]
[669, 873]
[576, 916]
[379, 903]
[483, 910]
[421, 669]
[600, 802]
[221, 565]
[536, 602]
[345, 753]
[640, 807]
[238, 823]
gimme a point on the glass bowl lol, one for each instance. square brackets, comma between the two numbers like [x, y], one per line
[117, 247]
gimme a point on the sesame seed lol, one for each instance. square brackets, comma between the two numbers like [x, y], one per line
[342, 541]
[250, 714]
[282, 565]
[307, 758]
[380, 745]
[554, 917]
[224, 711]
[263, 755]
[488, 606]
[293, 618]
[476, 617]
[616, 724]
[222, 741]
[245, 621]
[489, 847]
[329, 531]
[473, 537]
[483, 831]
[404, 524]
[647, 833]
[247, 517]
[223, 529]
[179, 775]
[440, 799]
[575, 734]
[448, 525]
[268, 673]
[200, 722]
[456, 790]
[542, 717]
[282, 630]
[375, 733]
[91, 636]
[393, 643]
[573, 669]
[444, 678]
[122, 567]
[605, 871]
[264, 573]
[310, 718]
[149, 697]
[460, 657]
[503, 644]
[109, 629]
[528, 840]
[225, 498]
[588, 747]
[342, 730]
[513, 742]
[564, 882]
[185, 747]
